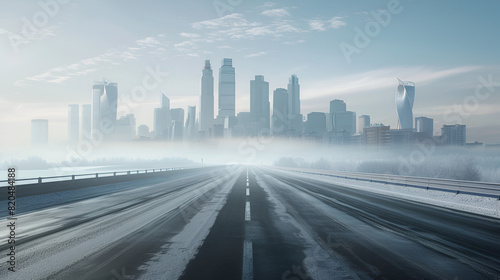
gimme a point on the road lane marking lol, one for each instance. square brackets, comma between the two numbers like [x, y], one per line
[248, 192]
[247, 260]
[247, 211]
[248, 184]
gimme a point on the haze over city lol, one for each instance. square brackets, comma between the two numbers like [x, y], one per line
[78, 45]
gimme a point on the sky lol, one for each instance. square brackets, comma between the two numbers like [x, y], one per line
[53, 51]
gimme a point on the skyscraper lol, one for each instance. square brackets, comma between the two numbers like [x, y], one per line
[73, 123]
[344, 122]
[337, 105]
[294, 116]
[163, 119]
[39, 132]
[207, 99]
[227, 89]
[280, 111]
[143, 131]
[363, 121]
[425, 125]
[104, 106]
[316, 124]
[259, 103]
[125, 128]
[177, 123]
[191, 123]
[376, 134]
[86, 122]
[405, 95]
[454, 134]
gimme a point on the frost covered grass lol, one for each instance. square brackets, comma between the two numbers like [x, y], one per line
[481, 164]
[487, 206]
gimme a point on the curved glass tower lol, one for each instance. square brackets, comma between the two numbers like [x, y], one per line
[405, 95]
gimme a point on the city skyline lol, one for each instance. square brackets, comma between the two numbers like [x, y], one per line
[300, 38]
[338, 126]
[169, 122]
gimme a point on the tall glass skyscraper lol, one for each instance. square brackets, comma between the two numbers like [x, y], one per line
[363, 121]
[191, 123]
[227, 89]
[294, 116]
[259, 103]
[425, 125]
[39, 132]
[294, 96]
[163, 119]
[86, 121]
[405, 95]
[73, 123]
[280, 111]
[104, 106]
[207, 99]
[177, 115]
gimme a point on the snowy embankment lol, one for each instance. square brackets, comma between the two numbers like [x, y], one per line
[488, 206]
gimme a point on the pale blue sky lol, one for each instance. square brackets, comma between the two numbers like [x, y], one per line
[442, 46]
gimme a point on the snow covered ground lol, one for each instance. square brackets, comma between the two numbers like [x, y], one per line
[487, 206]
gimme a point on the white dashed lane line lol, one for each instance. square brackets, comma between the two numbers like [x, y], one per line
[247, 273]
[247, 260]
[247, 211]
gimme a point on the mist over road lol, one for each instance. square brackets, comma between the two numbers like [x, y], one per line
[239, 222]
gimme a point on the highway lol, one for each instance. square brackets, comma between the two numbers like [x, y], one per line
[240, 222]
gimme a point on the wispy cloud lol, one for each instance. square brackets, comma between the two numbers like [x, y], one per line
[63, 73]
[232, 21]
[322, 25]
[276, 13]
[273, 25]
[255, 54]
[380, 79]
[190, 35]
[148, 42]
[235, 26]
[40, 34]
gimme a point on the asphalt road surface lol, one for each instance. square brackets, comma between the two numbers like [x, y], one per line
[241, 222]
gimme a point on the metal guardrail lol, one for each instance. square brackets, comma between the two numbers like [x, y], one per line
[458, 186]
[40, 180]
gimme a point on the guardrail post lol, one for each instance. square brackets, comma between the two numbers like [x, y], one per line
[97, 175]
[146, 171]
[72, 177]
[128, 172]
[39, 180]
[114, 173]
